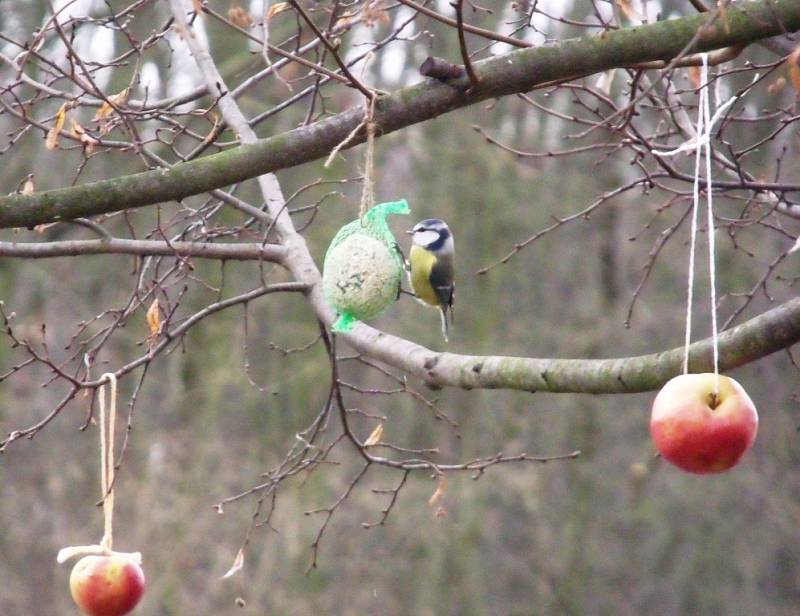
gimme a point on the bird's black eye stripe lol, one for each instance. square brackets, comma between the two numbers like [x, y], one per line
[439, 241]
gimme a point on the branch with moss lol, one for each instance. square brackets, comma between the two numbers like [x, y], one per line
[519, 71]
[767, 333]
[144, 248]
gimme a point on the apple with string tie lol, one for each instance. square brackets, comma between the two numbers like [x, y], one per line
[105, 582]
[703, 423]
[107, 585]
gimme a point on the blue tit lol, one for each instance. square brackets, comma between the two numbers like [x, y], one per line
[431, 267]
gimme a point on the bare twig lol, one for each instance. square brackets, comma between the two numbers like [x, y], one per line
[462, 42]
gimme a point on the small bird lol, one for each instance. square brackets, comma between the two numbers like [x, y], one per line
[431, 267]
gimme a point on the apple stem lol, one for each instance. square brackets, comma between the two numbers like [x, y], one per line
[713, 400]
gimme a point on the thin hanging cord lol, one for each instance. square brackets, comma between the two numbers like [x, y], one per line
[368, 187]
[712, 270]
[702, 139]
[107, 422]
[107, 457]
[703, 99]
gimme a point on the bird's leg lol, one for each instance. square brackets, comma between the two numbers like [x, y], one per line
[406, 264]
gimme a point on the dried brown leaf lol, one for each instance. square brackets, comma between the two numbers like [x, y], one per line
[85, 138]
[212, 134]
[238, 16]
[440, 490]
[627, 8]
[794, 69]
[375, 436]
[28, 188]
[344, 22]
[278, 7]
[694, 76]
[153, 317]
[777, 86]
[52, 135]
[237, 565]
[107, 108]
[372, 15]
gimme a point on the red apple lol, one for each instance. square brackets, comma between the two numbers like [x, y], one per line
[106, 585]
[700, 431]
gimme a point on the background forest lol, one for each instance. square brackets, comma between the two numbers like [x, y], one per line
[613, 531]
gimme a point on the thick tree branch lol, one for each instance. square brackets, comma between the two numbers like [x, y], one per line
[772, 331]
[518, 71]
[144, 248]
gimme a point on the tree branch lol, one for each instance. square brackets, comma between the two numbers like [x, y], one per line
[352, 79]
[518, 71]
[169, 337]
[489, 34]
[144, 248]
[771, 331]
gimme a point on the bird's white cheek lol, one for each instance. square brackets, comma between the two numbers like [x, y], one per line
[423, 238]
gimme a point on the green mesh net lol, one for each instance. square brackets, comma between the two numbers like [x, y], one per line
[363, 267]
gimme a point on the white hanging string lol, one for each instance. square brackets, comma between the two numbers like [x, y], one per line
[712, 268]
[701, 141]
[107, 456]
[692, 241]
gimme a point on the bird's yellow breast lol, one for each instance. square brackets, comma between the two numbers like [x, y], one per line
[422, 261]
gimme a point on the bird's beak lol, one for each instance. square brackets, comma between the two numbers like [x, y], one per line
[410, 231]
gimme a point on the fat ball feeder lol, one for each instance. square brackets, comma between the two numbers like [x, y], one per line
[364, 267]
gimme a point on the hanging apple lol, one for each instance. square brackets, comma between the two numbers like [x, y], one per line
[701, 431]
[106, 585]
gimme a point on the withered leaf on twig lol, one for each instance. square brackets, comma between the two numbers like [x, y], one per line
[107, 108]
[375, 436]
[27, 187]
[237, 565]
[153, 317]
[238, 15]
[53, 134]
[627, 8]
[794, 69]
[440, 490]
[85, 138]
[278, 7]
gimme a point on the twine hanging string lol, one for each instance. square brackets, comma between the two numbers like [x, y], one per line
[368, 186]
[107, 429]
[700, 142]
[107, 420]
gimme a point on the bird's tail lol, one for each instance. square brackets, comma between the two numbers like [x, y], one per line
[443, 313]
